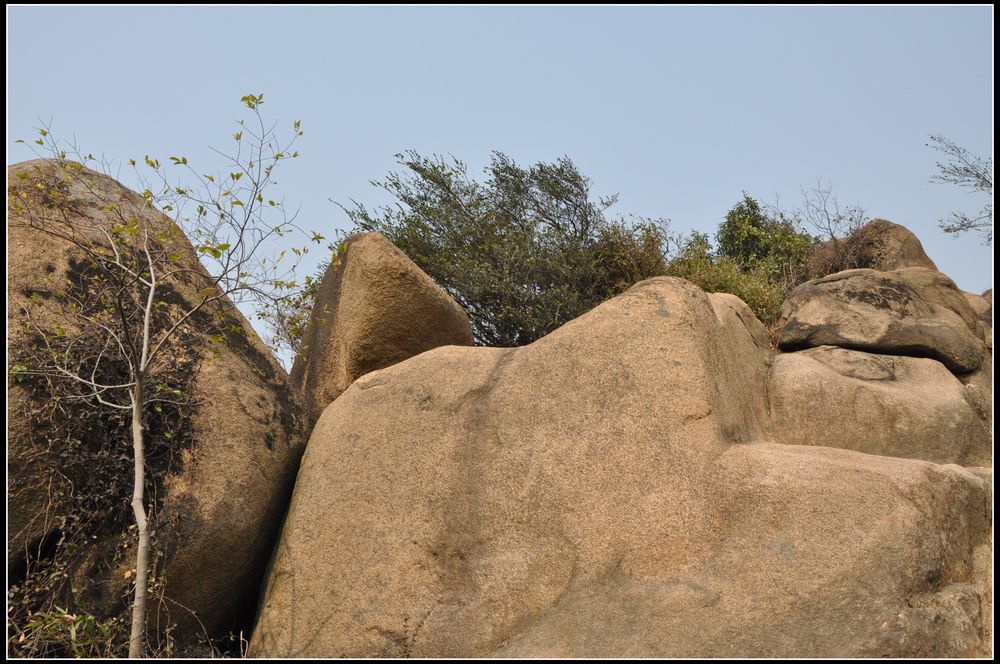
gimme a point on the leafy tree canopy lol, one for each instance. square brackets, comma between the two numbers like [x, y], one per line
[523, 251]
[754, 239]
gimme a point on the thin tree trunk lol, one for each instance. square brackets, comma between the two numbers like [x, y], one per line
[137, 638]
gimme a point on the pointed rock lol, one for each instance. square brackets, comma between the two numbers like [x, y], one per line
[374, 308]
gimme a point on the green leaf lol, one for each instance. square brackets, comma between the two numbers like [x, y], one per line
[19, 372]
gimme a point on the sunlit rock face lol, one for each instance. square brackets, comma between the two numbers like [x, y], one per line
[614, 489]
[219, 501]
[374, 308]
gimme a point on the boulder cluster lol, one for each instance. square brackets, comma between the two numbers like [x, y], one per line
[652, 479]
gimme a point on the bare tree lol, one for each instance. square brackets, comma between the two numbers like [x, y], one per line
[822, 212]
[145, 297]
[845, 238]
[969, 171]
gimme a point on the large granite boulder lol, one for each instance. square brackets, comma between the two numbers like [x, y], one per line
[982, 305]
[878, 404]
[899, 246]
[217, 491]
[912, 311]
[879, 244]
[374, 308]
[609, 491]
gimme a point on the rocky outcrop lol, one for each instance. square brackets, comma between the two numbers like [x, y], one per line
[982, 305]
[218, 494]
[913, 311]
[878, 404]
[610, 490]
[875, 377]
[899, 247]
[879, 244]
[649, 480]
[374, 308]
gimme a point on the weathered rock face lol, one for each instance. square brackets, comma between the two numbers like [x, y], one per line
[607, 491]
[878, 404]
[982, 307]
[900, 247]
[979, 390]
[879, 244]
[219, 507]
[896, 398]
[913, 311]
[374, 308]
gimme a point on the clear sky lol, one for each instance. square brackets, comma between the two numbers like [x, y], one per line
[678, 110]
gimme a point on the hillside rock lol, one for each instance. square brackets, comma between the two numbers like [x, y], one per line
[608, 491]
[912, 311]
[374, 308]
[879, 244]
[900, 247]
[937, 288]
[220, 497]
[982, 307]
[979, 390]
[877, 404]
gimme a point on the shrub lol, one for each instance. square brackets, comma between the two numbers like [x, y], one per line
[714, 274]
[863, 247]
[523, 252]
[761, 256]
[59, 633]
[767, 244]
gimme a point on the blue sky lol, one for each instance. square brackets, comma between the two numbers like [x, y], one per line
[678, 110]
